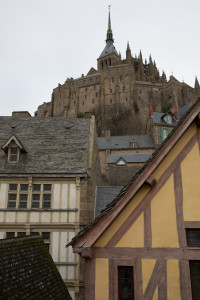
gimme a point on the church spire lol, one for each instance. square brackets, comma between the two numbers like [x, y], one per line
[109, 36]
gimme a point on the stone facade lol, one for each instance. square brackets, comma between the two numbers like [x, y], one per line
[117, 86]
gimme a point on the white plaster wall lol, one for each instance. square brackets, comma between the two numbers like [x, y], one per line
[55, 218]
[70, 272]
[10, 217]
[3, 195]
[34, 217]
[45, 217]
[63, 272]
[56, 196]
[21, 217]
[71, 257]
[72, 200]
[71, 216]
[64, 203]
[1, 235]
[55, 242]
[1, 216]
[63, 249]
[64, 217]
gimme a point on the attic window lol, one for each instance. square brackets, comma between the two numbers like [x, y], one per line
[121, 162]
[168, 119]
[13, 154]
[133, 144]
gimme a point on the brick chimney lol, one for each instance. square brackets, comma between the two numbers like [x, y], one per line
[174, 111]
[21, 114]
[149, 110]
[107, 134]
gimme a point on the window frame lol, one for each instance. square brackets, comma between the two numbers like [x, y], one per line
[41, 192]
[190, 245]
[18, 192]
[13, 154]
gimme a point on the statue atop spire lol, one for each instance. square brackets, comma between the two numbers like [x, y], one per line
[109, 36]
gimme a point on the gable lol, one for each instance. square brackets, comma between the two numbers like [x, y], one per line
[150, 218]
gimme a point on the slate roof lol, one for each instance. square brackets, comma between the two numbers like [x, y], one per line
[53, 145]
[124, 142]
[105, 194]
[27, 271]
[112, 204]
[129, 158]
[109, 49]
[158, 117]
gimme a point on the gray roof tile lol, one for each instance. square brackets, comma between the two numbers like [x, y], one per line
[53, 145]
[105, 194]
[129, 158]
[124, 142]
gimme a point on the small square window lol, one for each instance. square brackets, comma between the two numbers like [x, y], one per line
[12, 187]
[36, 187]
[193, 238]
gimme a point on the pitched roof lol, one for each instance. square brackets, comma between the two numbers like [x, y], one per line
[53, 145]
[105, 194]
[158, 118]
[129, 158]
[27, 271]
[109, 49]
[124, 142]
[109, 214]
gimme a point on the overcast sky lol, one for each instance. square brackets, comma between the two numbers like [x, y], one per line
[42, 42]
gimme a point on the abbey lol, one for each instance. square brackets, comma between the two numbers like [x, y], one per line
[116, 87]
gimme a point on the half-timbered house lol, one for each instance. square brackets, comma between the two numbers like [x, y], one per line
[145, 245]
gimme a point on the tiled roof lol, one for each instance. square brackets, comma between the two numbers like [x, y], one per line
[158, 117]
[109, 49]
[112, 204]
[53, 145]
[27, 271]
[105, 194]
[124, 142]
[129, 158]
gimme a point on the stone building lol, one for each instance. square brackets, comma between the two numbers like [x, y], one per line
[118, 85]
[49, 169]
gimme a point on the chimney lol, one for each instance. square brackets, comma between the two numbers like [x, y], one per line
[149, 110]
[107, 134]
[21, 114]
[174, 111]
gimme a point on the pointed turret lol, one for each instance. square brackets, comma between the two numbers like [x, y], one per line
[196, 86]
[141, 65]
[128, 54]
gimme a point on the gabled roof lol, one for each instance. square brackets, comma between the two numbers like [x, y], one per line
[14, 139]
[27, 271]
[124, 142]
[129, 158]
[89, 235]
[54, 146]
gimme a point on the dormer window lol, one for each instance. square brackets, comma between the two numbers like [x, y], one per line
[133, 144]
[168, 119]
[121, 162]
[13, 154]
[13, 147]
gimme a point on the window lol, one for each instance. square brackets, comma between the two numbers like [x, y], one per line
[123, 88]
[193, 238]
[110, 91]
[21, 234]
[168, 119]
[10, 235]
[110, 101]
[46, 238]
[113, 80]
[13, 154]
[164, 133]
[17, 195]
[133, 144]
[125, 283]
[121, 162]
[195, 279]
[41, 196]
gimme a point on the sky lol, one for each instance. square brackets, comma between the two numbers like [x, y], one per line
[43, 42]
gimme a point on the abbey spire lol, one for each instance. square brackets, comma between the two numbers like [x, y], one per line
[109, 36]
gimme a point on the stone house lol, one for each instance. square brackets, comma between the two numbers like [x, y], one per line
[49, 169]
[145, 244]
[111, 147]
